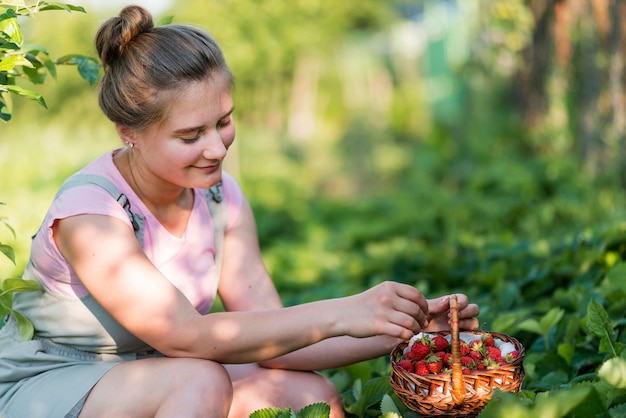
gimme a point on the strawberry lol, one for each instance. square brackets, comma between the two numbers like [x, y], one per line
[421, 368]
[476, 355]
[440, 343]
[493, 352]
[446, 358]
[434, 364]
[481, 366]
[476, 345]
[467, 361]
[466, 370]
[491, 364]
[511, 357]
[407, 365]
[421, 349]
[488, 340]
[465, 349]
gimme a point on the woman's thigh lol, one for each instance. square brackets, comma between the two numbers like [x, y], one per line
[256, 387]
[181, 387]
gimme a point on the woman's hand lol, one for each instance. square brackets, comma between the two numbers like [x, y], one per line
[439, 311]
[390, 308]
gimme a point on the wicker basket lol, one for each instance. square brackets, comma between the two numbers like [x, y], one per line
[457, 393]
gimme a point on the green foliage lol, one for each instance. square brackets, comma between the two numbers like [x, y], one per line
[19, 60]
[316, 410]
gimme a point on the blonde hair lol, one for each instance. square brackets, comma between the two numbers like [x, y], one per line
[144, 65]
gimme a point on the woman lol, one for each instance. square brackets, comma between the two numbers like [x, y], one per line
[129, 269]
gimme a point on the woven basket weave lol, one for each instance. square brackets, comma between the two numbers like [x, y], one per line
[455, 394]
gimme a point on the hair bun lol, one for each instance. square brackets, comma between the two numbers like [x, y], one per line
[115, 34]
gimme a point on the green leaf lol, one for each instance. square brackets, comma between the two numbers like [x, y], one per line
[599, 325]
[10, 26]
[273, 413]
[6, 303]
[388, 406]
[88, 68]
[27, 93]
[315, 410]
[9, 63]
[613, 371]
[165, 20]
[543, 326]
[24, 325]
[53, 5]
[5, 112]
[373, 391]
[8, 252]
[559, 404]
[20, 285]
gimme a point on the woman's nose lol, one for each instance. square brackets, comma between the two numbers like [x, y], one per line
[214, 148]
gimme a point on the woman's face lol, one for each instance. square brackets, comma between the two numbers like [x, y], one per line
[188, 147]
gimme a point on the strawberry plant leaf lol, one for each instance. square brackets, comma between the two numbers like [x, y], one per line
[388, 406]
[373, 391]
[599, 325]
[315, 410]
[613, 371]
[618, 411]
[273, 413]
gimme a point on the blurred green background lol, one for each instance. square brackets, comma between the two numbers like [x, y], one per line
[376, 139]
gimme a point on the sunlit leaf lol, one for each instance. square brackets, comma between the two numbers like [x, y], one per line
[25, 326]
[9, 63]
[20, 285]
[27, 94]
[52, 5]
[614, 372]
[88, 67]
[8, 252]
[10, 26]
[315, 410]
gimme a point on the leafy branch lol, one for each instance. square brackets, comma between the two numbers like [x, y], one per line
[19, 60]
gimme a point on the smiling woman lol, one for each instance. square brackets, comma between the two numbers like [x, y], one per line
[129, 257]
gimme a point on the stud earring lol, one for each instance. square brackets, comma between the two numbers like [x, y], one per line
[130, 144]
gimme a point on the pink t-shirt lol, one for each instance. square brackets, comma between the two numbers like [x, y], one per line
[188, 262]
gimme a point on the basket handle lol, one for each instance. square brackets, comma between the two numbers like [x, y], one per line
[458, 387]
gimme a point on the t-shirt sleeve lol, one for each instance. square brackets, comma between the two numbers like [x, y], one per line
[86, 200]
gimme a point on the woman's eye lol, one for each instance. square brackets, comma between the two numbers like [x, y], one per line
[224, 123]
[190, 140]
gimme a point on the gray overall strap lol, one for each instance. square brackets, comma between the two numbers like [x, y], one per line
[81, 179]
[217, 207]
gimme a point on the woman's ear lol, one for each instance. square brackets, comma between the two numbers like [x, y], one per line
[126, 134]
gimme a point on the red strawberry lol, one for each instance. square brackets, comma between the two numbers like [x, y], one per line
[446, 358]
[467, 361]
[421, 349]
[488, 340]
[481, 366]
[476, 355]
[493, 352]
[466, 370]
[476, 345]
[465, 349]
[407, 365]
[440, 343]
[434, 364]
[421, 368]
